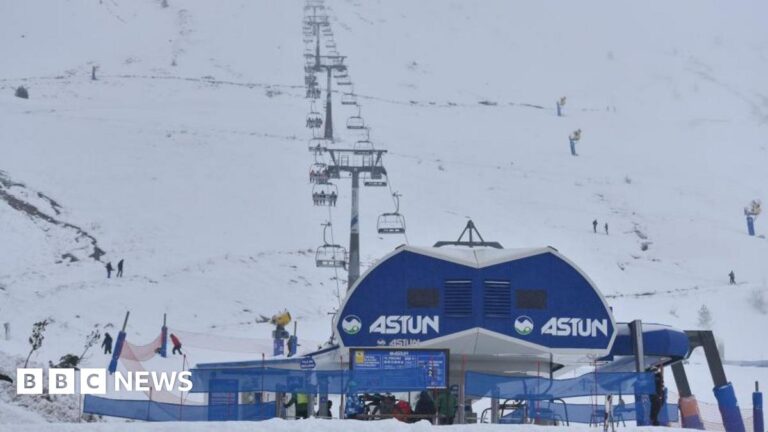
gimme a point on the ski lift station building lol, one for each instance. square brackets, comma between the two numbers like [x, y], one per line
[495, 310]
[505, 313]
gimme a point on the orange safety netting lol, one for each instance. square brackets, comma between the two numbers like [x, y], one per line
[141, 352]
[711, 417]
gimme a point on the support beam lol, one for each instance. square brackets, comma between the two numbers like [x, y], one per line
[724, 393]
[636, 331]
[354, 232]
[681, 379]
[328, 109]
[690, 416]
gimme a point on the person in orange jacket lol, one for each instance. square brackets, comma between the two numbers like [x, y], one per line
[176, 344]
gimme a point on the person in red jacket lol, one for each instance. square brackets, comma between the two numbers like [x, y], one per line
[176, 344]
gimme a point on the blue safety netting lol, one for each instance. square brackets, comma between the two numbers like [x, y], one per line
[258, 379]
[158, 411]
[562, 413]
[538, 388]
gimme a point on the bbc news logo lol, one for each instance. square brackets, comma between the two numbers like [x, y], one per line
[94, 381]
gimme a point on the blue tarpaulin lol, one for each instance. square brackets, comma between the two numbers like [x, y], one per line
[257, 379]
[582, 413]
[537, 388]
[158, 411]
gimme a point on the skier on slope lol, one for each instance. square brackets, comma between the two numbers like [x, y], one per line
[732, 278]
[109, 269]
[176, 344]
[594, 226]
[120, 268]
[107, 343]
[606, 228]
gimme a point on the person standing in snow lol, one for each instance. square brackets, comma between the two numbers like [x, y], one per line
[109, 269]
[425, 407]
[119, 268]
[176, 344]
[594, 226]
[574, 139]
[560, 104]
[657, 399]
[301, 400]
[732, 277]
[606, 228]
[107, 343]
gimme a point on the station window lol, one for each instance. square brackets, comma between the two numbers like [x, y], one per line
[531, 299]
[423, 298]
[458, 298]
[497, 299]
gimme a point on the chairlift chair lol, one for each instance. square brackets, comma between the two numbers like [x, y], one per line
[341, 74]
[313, 91]
[325, 194]
[345, 81]
[318, 173]
[314, 118]
[348, 98]
[318, 144]
[392, 223]
[377, 178]
[330, 255]
[356, 122]
[363, 146]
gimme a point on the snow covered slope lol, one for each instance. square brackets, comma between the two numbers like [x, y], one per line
[187, 156]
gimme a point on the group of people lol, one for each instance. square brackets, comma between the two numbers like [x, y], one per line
[106, 344]
[323, 198]
[594, 227]
[318, 175]
[369, 406]
[110, 269]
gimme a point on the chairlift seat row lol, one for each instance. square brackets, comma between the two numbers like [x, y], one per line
[390, 223]
[348, 99]
[331, 256]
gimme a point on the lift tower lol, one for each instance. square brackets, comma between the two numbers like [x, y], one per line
[357, 163]
[329, 63]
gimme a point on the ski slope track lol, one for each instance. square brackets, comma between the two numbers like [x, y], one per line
[187, 157]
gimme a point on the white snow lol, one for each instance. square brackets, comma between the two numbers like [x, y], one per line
[188, 158]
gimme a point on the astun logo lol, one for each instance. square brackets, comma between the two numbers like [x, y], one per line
[524, 325]
[351, 324]
[581, 327]
[405, 324]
